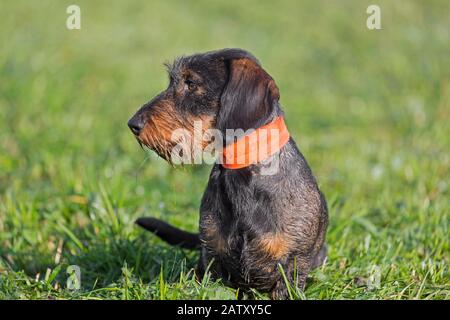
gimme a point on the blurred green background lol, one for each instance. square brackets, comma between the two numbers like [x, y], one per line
[370, 110]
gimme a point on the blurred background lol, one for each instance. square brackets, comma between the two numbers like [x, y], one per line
[369, 109]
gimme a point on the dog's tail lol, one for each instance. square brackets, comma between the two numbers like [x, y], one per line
[170, 234]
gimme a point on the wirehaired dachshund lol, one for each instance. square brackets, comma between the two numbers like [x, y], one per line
[254, 227]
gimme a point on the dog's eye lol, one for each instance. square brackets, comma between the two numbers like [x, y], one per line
[190, 85]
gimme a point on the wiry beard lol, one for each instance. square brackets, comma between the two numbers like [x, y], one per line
[158, 135]
[154, 142]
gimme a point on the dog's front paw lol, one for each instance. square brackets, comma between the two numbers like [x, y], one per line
[279, 291]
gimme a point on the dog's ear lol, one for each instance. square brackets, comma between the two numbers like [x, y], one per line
[250, 95]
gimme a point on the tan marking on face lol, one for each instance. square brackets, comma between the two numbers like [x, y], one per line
[189, 74]
[207, 122]
[162, 123]
[159, 127]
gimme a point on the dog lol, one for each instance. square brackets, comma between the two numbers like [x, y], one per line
[257, 231]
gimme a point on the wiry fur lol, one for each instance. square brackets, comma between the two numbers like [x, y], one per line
[251, 225]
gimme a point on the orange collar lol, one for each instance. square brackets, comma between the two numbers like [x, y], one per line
[257, 146]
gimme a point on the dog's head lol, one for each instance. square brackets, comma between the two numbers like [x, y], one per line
[224, 89]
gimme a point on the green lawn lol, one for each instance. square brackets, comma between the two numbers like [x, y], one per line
[369, 109]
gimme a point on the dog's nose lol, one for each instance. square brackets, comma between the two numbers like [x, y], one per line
[136, 124]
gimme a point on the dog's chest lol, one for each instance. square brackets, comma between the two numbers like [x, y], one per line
[241, 254]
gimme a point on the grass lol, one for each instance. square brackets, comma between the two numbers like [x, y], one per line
[369, 109]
